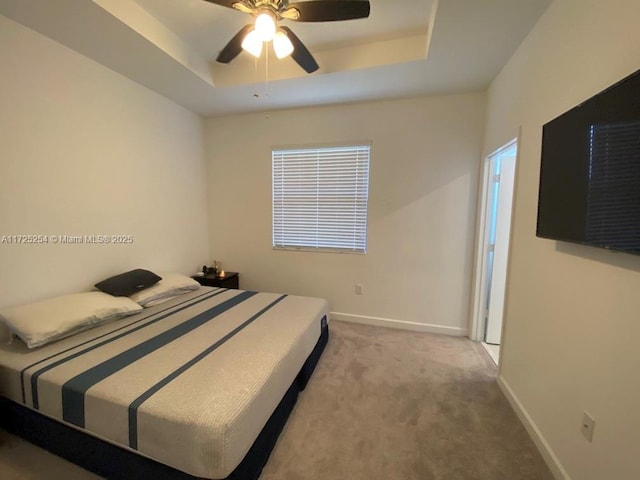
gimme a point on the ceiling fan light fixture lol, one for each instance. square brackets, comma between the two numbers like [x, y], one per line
[252, 43]
[265, 26]
[282, 45]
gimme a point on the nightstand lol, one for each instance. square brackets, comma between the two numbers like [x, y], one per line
[230, 280]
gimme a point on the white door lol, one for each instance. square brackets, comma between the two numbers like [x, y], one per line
[503, 165]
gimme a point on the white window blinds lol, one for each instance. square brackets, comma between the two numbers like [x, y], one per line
[320, 198]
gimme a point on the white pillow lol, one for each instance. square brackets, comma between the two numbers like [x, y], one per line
[171, 285]
[42, 322]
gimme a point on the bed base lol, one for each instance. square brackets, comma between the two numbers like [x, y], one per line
[110, 461]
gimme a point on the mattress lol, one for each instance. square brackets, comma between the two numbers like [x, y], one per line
[189, 383]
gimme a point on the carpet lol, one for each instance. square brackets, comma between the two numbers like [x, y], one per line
[397, 405]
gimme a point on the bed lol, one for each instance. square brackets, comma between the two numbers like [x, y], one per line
[197, 387]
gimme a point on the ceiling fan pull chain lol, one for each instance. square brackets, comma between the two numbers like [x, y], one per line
[255, 77]
[266, 76]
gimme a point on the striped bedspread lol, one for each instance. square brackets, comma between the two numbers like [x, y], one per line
[189, 383]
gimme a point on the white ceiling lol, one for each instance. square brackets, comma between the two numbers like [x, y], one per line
[406, 48]
[208, 27]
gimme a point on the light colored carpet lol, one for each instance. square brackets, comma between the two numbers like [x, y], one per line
[395, 405]
[383, 404]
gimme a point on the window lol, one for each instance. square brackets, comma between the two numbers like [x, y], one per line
[320, 198]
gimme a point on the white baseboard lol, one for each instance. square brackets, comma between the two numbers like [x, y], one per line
[547, 453]
[399, 324]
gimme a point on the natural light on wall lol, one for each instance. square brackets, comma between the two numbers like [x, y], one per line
[320, 198]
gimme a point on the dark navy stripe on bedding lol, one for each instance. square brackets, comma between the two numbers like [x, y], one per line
[133, 407]
[37, 373]
[73, 391]
[62, 352]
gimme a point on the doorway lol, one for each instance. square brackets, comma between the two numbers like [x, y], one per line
[493, 247]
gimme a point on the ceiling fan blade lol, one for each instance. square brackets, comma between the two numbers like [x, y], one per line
[234, 47]
[300, 54]
[224, 3]
[330, 10]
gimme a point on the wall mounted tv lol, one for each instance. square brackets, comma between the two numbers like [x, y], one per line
[590, 171]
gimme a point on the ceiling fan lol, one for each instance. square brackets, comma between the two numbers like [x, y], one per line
[267, 13]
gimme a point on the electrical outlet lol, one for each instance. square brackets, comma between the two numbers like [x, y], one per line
[359, 289]
[588, 424]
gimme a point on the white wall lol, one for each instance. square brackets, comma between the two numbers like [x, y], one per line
[84, 150]
[423, 182]
[572, 321]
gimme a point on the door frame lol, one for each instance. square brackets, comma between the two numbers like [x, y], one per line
[476, 330]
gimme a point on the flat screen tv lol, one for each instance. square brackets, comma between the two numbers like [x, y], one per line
[590, 171]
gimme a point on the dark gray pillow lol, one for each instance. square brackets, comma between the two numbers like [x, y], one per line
[128, 283]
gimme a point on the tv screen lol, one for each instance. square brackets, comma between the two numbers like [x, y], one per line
[590, 171]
